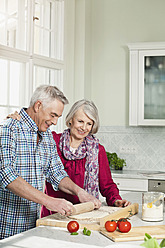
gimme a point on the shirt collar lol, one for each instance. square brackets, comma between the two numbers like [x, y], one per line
[28, 121]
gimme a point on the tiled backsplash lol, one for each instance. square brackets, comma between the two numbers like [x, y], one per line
[142, 147]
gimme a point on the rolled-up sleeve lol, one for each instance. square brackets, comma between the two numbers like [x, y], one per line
[7, 157]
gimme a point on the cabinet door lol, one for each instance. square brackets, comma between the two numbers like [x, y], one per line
[151, 87]
[131, 184]
[147, 84]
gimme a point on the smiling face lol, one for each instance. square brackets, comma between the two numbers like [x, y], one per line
[80, 126]
[44, 117]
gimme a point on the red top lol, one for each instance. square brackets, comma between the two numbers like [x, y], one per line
[76, 171]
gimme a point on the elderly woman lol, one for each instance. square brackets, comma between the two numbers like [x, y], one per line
[84, 159]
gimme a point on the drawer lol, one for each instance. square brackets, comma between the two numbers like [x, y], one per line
[156, 185]
[131, 184]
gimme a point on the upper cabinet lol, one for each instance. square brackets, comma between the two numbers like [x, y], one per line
[147, 84]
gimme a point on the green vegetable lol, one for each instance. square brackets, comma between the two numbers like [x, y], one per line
[74, 233]
[86, 232]
[152, 242]
[162, 244]
[148, 236]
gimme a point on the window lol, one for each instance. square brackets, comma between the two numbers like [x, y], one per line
[13, 23]
[31, 50]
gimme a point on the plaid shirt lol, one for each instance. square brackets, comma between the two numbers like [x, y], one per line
[20, 155]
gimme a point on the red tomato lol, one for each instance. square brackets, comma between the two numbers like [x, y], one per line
[110, 226]
[124, 226]
[121, 219]
[73, 226]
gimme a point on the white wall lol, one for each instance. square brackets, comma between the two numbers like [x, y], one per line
[78, 50]
[102, 29]
[114, 24]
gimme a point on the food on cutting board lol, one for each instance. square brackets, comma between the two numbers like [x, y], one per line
[121, 219]
[122, 224]
[96, 214]
[110, 225]
[73, 226]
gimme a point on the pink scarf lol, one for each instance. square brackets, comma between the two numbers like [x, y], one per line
[89, 148]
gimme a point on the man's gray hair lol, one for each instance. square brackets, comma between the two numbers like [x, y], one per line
[89, 109]
[47, 94]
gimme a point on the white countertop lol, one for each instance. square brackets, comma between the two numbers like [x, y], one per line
[44, 236]
[138, 174]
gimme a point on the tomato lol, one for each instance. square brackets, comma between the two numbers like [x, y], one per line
[73, 226]
[110, 226]
[121, 219]
[124, 226]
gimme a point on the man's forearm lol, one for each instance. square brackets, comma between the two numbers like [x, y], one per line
[23, 189]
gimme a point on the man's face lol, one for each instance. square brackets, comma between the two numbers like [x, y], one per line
[47, 116]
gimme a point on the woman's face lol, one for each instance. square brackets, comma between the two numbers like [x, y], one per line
[81, 125]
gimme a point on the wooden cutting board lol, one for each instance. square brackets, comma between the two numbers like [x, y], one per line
[62, 221]
[54, 220]
[136, 233]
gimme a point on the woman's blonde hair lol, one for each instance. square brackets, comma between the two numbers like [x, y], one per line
[89, 109]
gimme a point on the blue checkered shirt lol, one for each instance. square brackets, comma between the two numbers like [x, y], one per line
[20, 155]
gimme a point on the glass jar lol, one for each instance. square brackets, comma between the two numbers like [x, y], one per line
[152, 206]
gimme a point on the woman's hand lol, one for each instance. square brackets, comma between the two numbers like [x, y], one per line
[68, 186]
[14, 116]
[85, 197]
[122, 203]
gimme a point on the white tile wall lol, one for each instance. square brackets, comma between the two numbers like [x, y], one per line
[146, 144]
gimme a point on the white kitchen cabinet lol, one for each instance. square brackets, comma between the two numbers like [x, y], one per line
[127, 185]
[135, 186]
[131, 184]
[147, 84]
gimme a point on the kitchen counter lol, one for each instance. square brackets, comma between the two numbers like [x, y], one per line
[138, 174]
[44, 236]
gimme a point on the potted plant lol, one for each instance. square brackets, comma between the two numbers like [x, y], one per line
[115, 162]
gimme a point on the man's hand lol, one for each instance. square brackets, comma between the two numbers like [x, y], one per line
[122, 203]
[61, 206]
[85, 197]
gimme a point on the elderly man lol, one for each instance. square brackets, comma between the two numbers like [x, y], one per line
[28, 154]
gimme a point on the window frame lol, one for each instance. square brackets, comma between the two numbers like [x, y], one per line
[31, 59]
